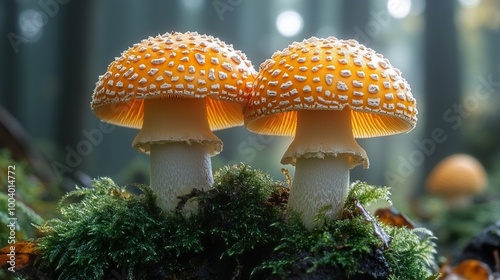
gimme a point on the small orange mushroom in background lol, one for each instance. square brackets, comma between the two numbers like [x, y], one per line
[456, 179]
[325, 93]
[176, 88]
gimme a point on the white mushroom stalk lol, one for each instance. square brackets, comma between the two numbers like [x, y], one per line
[322, 159]
[177, 135]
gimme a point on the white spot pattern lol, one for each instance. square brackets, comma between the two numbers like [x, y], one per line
[174, 63]
[331, 73]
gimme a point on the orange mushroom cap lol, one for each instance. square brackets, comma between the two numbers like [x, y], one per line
[330, 74]
[456, 176]
[175, 65]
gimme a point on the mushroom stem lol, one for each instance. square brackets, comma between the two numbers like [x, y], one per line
[177, 135]
[178, 168]
[323, 156]
[318, 183]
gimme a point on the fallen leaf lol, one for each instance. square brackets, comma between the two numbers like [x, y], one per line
[18, 256]
[391, 216]
[467, 270]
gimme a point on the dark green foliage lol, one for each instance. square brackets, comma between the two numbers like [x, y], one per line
[339, 244]
[238, 212]
[349, 247]
[240, 231]
[411, 253]
[454, 227]
[110, 230]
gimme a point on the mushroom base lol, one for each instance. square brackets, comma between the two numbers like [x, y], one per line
[318, 183]
[176, 169]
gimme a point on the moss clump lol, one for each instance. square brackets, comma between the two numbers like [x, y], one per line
[112, 232]
[240, 231]
[239, 213]
[353, 247]
[238, 217]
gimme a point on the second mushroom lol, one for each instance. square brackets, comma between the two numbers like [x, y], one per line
[176, 88]
[325, 93]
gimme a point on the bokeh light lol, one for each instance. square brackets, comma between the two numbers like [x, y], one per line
[192, 5]
[399, 8]
[469, 3]
[289, 23]
[31, 24]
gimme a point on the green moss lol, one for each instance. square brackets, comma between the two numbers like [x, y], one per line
[111, 231]
[351, 247]
[366, 194]
[411, 253]
[238, 212]
[240, 231]
[326, 246]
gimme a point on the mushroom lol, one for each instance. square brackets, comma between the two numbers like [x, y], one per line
[176, 88]
[456, 178]
[326, 92]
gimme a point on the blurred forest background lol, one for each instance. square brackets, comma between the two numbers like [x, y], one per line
[52, 52]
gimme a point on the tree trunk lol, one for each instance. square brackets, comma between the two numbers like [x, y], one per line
[74, 63]
[9, 68]
[442, 85]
